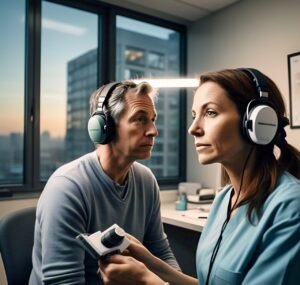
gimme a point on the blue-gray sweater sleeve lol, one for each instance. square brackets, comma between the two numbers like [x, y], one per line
[155, 238]
[60, 218]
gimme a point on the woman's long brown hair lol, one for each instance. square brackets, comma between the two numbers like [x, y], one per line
[266, 168]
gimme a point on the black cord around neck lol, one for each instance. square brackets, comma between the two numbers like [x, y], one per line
[229, 212]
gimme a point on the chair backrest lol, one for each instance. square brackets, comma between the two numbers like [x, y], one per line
[16, 242]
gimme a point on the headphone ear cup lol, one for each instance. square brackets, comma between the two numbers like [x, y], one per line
[261, 124]
[101, 126]
[97, 129]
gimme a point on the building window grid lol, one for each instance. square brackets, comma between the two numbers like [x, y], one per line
[156, 60]
[135, 56]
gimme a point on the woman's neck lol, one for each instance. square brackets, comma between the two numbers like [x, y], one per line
[240, 176]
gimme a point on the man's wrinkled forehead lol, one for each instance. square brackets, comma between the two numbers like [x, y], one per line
[137, 102]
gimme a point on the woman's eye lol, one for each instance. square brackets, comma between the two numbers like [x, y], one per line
[211, 113]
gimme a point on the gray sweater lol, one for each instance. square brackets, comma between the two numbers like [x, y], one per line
[80, 198]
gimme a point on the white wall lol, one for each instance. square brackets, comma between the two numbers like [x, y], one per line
[251, 33]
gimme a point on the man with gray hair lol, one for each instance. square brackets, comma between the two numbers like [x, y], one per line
[101, 188]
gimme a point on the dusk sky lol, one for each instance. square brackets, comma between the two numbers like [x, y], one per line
[66, 34]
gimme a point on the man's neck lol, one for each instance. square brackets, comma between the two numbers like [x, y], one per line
[114, 166]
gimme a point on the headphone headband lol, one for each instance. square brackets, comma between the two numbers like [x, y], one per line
[105, 95]
[259, 79]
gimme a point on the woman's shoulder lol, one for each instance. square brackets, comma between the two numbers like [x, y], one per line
[287, 187]
[285, 198]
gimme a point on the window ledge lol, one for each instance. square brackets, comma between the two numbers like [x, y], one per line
[19, 196]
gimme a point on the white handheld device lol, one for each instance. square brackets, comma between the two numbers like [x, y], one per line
[100, 244]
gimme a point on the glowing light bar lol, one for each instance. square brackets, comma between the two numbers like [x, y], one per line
[171, 82]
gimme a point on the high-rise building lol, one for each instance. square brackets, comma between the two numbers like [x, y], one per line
[138, 56]
[82, 81]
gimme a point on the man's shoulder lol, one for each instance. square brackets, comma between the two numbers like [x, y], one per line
[73, 174]
[142, 169]
[73, 166]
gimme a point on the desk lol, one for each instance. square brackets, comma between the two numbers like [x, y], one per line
[183, 229]
[189, 219]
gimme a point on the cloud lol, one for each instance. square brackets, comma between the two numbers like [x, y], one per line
[62, 27]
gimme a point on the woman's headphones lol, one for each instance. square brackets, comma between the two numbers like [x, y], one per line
[101, 126]
[260, 121]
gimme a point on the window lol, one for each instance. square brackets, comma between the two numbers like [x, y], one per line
[12, 68]
[68, 77]
[55, 60]
[135, 39]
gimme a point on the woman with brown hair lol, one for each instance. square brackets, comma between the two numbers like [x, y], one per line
[252, 235]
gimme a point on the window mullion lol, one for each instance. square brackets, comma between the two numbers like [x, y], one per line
[32, 95]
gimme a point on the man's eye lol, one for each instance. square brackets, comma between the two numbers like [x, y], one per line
[141, 119]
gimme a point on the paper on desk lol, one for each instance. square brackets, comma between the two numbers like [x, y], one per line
[195, 214]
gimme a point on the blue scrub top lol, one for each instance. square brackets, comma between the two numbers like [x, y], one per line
[265, 252]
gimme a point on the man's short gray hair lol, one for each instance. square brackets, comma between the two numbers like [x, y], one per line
[116, 102]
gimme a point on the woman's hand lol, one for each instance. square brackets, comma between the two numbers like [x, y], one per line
[137, 250]
[140, 268]
[125, 270]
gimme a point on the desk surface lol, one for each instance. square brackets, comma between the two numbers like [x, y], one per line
[194, 218]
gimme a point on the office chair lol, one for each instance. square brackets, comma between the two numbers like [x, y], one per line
[16, 242]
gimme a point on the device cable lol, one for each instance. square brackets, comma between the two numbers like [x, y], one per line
[229, 212]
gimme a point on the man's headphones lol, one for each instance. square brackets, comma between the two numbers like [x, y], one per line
[260, 121]
[101, 125]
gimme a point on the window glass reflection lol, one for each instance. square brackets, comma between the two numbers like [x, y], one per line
[134, 56]
[12, 52]
[68, 77]
[149, 51]
[156, 60]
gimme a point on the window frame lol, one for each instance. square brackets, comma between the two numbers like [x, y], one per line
[107, 14]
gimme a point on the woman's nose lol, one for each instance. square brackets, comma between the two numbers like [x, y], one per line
[195, 128]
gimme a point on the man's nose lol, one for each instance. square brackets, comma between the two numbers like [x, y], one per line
[152, 130]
